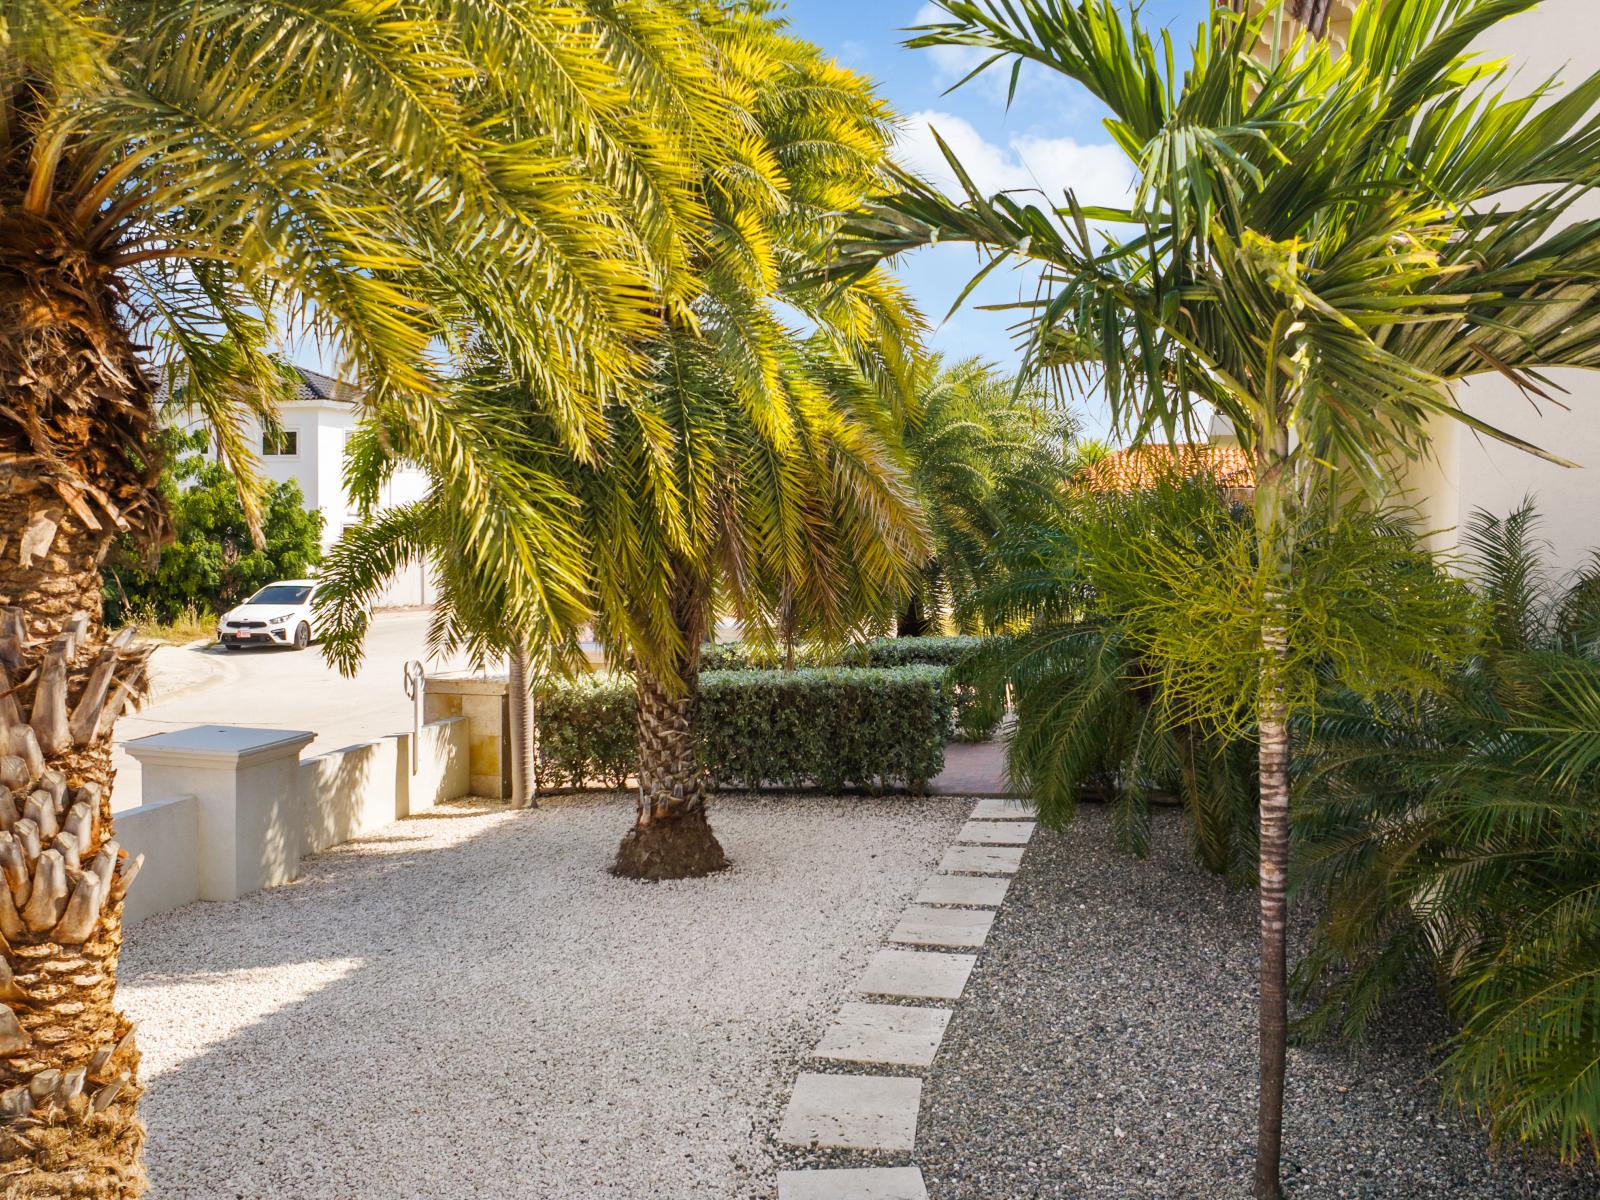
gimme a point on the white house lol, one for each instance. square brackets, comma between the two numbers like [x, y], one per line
[309, 449]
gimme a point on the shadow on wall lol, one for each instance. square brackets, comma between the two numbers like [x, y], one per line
[220, 827]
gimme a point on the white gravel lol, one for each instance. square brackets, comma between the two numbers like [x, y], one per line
[467, 1005]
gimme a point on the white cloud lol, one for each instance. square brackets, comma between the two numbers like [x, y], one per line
[952, 64]
[1097, 172]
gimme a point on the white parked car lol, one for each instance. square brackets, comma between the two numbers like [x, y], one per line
[278, 615]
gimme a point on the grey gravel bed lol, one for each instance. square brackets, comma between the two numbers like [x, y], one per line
[468, 1006]
[1105, 1047]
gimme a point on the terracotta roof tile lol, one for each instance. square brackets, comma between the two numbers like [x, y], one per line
[1145, 466]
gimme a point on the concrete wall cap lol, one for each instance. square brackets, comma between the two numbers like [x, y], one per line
[465, 683]
[220, 745]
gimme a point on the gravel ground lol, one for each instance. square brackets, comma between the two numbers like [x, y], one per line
[1105, 1047]
[468, 1006]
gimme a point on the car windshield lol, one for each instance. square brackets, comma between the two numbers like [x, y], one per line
[281, 593]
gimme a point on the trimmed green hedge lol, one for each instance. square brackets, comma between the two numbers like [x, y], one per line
[833, 728]
[976, 717]
[900, 652]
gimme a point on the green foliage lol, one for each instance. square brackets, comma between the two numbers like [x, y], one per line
[908, 651]
[834, 728]
[982, 450]
[588, 731]
[1175, 570]
[212, 562]
[1137, 662]
[977, 713]
[1456, 837]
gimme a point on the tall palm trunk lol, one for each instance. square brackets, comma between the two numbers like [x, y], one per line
[671, 837]
[75, 415]
[524, 732]
[1273, 727]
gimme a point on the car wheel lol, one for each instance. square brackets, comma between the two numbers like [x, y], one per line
[302, 636]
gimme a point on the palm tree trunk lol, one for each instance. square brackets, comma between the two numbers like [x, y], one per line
[1273, 724]
[75, 417]
[524, 735]
[671, 837]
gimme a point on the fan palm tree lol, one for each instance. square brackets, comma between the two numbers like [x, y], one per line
[1321, 241]
[200, 176]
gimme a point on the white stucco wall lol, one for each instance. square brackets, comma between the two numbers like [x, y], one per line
[322, 428]
[1560, 37]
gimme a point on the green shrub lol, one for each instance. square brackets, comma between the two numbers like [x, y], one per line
[976, 714]
[588, 732]
[902, 652]
[834, 728]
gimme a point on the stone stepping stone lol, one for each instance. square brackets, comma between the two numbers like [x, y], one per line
[982, 860]
[1001, 810]
[996, 833]
[942, 927]
[853, 1112]
[920, 975]
[987, 890]
[855, 1183]
[885, 1033]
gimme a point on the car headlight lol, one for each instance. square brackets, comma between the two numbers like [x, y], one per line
[279, 620]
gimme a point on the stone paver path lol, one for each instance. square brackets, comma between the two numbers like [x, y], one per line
[853, 1112]
[885, 1033]
[862, 1183]
[955, 908]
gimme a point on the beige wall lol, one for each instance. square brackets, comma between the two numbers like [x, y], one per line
[316, 804]
[1560, 37]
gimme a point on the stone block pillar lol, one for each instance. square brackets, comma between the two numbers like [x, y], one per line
[246, 784]
[484, 700]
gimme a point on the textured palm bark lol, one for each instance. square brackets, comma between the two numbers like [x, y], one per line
[524, 731]
[671, 837]
[1272, 494]
[1274, 902]
[75, 416]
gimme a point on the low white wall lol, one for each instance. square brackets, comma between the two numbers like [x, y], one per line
[444, 769]
[336, 797]
[347, 793]
[167, 833]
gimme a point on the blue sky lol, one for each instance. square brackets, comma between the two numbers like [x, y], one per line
[1050, 137]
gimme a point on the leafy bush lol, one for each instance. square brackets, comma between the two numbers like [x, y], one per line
[835, 728]
[910, 651]
[588, 732]
[212, 562]
[1456, 838]
[977, 713]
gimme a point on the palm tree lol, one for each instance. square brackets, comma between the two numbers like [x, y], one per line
[975, 442]
[756, 468]
[165, 181]
[787, 488]
[1319, 244]
[1458, 840]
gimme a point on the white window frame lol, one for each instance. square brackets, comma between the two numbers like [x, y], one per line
[287, 431]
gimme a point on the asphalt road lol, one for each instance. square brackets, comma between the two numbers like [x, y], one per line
[281, 689]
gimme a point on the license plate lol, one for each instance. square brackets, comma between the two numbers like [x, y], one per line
[242, 636]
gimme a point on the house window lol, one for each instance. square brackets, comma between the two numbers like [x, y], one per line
[282, 443]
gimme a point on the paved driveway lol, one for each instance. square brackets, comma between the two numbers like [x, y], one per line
[281, 689]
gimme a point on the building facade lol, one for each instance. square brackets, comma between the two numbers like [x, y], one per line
[308, 448]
